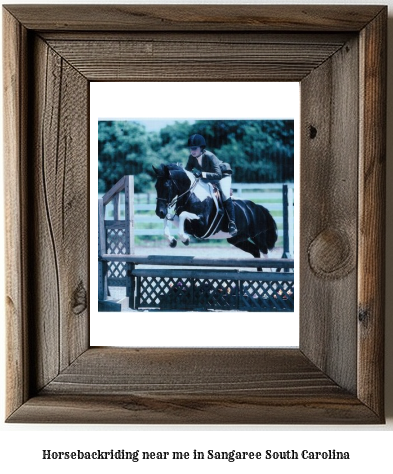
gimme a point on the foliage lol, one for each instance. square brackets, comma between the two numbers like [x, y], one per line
[124, 148]
[258, 150]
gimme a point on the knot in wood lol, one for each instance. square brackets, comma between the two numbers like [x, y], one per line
[313, 132]
[364, 316]
[330, 254]
[80, 299]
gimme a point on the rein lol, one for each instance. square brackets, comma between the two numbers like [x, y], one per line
[176, 198]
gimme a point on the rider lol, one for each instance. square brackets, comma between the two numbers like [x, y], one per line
[207, 166]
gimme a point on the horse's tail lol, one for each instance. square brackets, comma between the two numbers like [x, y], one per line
[271, 230]
[265, 230]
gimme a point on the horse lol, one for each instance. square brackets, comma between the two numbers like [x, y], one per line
[197, 213]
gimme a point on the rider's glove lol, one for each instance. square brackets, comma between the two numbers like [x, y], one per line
[197, 173]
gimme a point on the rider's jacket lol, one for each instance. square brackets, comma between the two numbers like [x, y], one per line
[212, 168]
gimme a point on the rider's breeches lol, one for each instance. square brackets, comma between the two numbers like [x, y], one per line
[225, 185]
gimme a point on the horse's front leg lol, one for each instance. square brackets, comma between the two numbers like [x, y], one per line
[185, 238]
[260, 269]
[167, 232]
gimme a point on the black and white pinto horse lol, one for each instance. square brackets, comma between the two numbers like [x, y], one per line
[196, 213]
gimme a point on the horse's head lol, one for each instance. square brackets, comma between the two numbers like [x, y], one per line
[169, 185]
[164, 188]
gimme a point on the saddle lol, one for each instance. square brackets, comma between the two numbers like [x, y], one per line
[215, 193]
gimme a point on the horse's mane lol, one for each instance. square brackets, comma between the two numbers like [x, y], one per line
[169, 168]
[174, 167]
[175, 170]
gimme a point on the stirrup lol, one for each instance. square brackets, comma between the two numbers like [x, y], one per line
[232, 229]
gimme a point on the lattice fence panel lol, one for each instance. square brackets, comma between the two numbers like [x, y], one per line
[266, 296]
[164, 293]
[215, 294]
[204, 294]
[116, 244]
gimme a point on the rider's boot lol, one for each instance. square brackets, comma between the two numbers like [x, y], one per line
[230, 210]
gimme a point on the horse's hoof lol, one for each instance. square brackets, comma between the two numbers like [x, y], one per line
[173, 243]
[186, 242]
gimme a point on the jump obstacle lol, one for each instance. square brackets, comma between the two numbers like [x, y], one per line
[201, 284]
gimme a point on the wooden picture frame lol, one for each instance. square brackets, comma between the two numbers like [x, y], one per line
[338, 54]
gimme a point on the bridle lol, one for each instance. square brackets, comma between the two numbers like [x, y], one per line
[174, 201]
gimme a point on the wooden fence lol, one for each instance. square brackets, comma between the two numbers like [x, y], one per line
[115, 234]
[193, 288]
[277, 198]
[203, 284]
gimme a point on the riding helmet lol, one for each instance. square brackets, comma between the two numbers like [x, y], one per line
[197, 140]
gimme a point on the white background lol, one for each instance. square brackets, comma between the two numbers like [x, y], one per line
[370, 446]
[254, 101]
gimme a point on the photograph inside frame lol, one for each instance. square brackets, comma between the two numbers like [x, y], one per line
[197, 215]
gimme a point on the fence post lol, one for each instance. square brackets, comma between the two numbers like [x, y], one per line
[130, 239]
[113, 195]
[129, 214]
[102, 266]
[285, 220]
[291, 222]
[131, 285]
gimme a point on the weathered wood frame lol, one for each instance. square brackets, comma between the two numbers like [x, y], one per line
[338, 54]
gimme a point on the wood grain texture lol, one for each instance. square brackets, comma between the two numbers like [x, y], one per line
[53, 375]
[193, 386]
[328, 250]
[202, 37]
[219, 59]
[239, 409]
[187, 17]
[59, 220]
[15, 73]
[372, 192]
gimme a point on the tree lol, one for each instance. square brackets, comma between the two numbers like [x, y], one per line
[173, 142]
[258, 150]
[125, 148]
